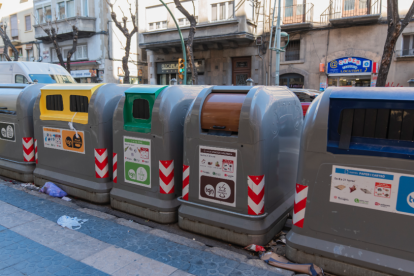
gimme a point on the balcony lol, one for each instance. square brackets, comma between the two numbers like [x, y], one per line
[352, 12]
[216, 35]
[405, 54]
[297, 17]
[86, 28]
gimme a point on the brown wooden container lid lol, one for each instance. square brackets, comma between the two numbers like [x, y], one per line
[221, 111]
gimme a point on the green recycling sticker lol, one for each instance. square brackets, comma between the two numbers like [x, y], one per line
[137, 173]
[137, 161]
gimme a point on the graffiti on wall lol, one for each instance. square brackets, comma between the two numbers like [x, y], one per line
[393, 85]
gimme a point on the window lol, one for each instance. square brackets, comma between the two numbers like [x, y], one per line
[185, 21]
[293, 51]
[70, 8]
[222, 11]
[349, 5]
[40, 16]
[61, 11]
[28, 23]
[156, 17]
[29, 54]
[81, 52]
[14, 28]
[48, 13]
[54, 102]
[408, 45]
[157, 25]
[85, 10]
[250, 9]
[20, 79]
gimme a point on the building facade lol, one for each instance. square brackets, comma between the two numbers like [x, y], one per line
[100, 47]
[18, 19]
[331, 42]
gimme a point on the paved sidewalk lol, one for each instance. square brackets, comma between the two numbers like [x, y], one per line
[32, 243]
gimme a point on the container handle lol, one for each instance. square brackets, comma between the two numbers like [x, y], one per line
[219, 127]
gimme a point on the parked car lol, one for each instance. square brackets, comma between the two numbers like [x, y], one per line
[31, 72]
[306, 96]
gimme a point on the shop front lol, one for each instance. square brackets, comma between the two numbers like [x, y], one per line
[169, 70]
[350, 72]
[85, 76]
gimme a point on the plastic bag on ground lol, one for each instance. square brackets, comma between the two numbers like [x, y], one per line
[52, 190]
[281, 262]
[255, 248]
[71, 223]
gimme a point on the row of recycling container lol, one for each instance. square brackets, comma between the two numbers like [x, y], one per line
[231, 162]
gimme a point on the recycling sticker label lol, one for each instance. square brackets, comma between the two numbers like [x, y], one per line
[137, 161]
[7, 132]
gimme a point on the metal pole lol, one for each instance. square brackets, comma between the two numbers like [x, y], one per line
[182, 42]
[277, 37]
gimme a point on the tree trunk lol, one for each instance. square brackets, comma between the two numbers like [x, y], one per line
[190, 41]
[7, 43]
[73, 49]
[395, 28]
[125, 60]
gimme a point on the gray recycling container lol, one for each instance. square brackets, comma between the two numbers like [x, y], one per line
[77, 158]
[148, 150]
[354, 203]
[17, 145]
[241, 148]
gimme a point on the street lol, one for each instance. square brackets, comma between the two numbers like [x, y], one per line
[32, 243]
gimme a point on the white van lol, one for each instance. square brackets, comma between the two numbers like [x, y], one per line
[30, 72]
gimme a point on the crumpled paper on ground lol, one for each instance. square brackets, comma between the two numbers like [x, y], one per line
[281, 262]
[71, 223]
[52, 190]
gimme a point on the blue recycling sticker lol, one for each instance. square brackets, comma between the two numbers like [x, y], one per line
[405, 199]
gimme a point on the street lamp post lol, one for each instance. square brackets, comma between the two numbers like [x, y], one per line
[182, 43]
[278, 36]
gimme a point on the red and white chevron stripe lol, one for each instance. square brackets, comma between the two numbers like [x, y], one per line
[256, 195]
[186, 181]
[36, 151]
[115, 167]
[299, 207]
[167, 177]
[101, 163]
[28, 149]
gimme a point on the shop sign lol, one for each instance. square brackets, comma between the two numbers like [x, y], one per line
[350, 65]
[83, 73]
[172, 67]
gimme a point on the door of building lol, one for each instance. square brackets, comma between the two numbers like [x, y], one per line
[242, 70]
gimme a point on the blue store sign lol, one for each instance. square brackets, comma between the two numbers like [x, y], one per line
[350, 65]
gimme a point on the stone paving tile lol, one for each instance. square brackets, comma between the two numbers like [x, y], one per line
[187, 259]
[26, 257]
[8, 237]
[145, 267]
[98, 214]
[82, 248]
[6, 209]
[181, 273]
[111, 259]
[17, 218]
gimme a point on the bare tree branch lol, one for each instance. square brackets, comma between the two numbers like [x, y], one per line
[128, 35]
[7, 43]
[190, 40]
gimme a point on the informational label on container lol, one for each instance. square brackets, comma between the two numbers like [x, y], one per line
[137, 161]
[378, 190]
[8, 132]
[218, 170]
[64, 139]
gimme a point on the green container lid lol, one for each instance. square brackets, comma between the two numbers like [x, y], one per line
[143, 92]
